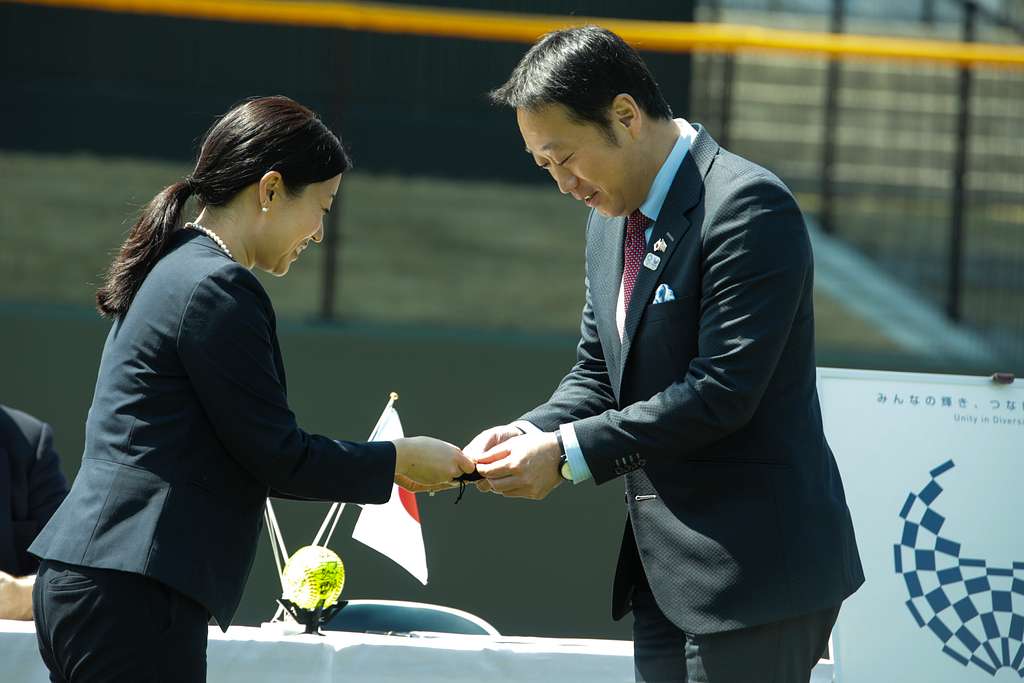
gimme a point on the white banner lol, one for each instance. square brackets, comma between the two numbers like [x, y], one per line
[932, 466]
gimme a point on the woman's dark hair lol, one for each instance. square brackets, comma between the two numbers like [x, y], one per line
[583, 69]
[258, 136]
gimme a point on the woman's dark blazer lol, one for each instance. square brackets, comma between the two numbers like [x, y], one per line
[190, 431]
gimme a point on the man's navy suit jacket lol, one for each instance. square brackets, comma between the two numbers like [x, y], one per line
[31, 487]
[708, 405]
[190, 431]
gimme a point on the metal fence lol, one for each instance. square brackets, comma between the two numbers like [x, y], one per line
[921, 167]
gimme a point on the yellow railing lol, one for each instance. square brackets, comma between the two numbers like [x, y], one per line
[658, 36]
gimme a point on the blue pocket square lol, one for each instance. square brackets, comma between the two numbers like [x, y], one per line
[664, 294]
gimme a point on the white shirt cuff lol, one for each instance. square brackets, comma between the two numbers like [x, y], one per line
[577, 463]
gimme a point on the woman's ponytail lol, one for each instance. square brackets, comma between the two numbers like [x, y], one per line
[144, 246]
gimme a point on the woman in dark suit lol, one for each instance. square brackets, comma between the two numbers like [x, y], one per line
[189, 429]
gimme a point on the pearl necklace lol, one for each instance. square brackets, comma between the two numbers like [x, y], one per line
[213, 236]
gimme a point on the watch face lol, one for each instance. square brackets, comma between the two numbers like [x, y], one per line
[566, 472]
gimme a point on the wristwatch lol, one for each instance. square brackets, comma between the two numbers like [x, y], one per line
[563, 460]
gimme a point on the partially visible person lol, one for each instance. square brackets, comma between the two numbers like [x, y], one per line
[31, 488]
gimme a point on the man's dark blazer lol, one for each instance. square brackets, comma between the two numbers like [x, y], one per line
[190, 431]
[31, 487]
[708, 405]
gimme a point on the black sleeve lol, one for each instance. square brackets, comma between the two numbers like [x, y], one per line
[47, 488]
[227, 344]
[47, 485]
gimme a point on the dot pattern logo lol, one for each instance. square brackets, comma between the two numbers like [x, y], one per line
[975, 610]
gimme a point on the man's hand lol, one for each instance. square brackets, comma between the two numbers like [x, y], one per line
[523, 467]
[484, 442]
[16, 597]
[488, 439]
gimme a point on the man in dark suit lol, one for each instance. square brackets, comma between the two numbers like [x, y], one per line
[694, 379]
[31, 488]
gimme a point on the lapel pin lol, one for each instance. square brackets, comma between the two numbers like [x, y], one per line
[660, 245]
[651, 262]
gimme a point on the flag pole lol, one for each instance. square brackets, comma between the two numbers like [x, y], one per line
[277, 557]
[273, 546]
[276, 531]
[392, 397]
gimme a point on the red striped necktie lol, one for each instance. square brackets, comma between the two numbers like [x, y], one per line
[633, 252]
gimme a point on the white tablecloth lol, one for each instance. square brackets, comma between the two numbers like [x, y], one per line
[252, 655]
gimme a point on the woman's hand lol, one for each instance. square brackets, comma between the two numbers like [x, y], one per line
[410, 485]
[423, 463]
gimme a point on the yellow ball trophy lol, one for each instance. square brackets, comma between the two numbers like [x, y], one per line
[312, 581]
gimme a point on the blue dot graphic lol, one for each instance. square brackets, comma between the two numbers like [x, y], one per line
[976, 612]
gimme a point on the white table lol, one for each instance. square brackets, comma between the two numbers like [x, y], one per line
[249, 655]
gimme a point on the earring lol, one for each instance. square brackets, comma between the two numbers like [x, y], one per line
[265, 209]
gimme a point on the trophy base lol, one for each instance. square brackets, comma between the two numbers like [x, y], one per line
[312, 619]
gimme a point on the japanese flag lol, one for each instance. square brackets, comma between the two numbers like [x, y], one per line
[393, 529]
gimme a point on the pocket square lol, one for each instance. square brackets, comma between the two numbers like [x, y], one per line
[664, 294]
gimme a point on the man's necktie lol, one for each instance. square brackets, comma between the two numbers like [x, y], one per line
[633, 252]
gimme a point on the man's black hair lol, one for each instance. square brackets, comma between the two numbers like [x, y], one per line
[583, 69]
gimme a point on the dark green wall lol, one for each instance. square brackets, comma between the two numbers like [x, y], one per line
[144, 86]
[510, 561]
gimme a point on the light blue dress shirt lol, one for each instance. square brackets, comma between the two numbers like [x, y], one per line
[650, 208]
